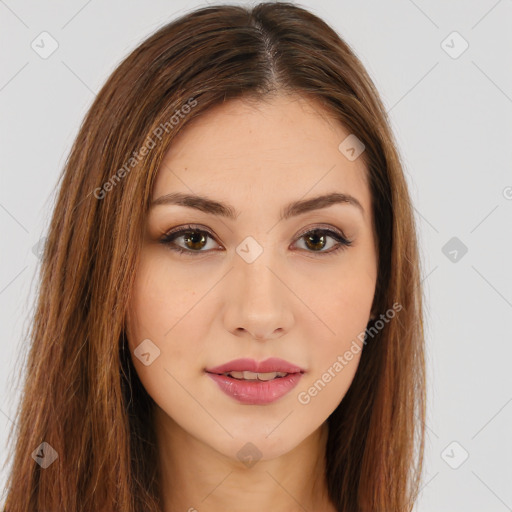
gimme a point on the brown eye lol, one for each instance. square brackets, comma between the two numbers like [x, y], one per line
[317, 239]
[194, 240]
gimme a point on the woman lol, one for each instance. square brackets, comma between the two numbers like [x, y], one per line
[283, 367]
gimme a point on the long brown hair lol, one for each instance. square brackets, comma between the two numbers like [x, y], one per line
[81, 393]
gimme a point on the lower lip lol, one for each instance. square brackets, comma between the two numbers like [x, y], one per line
[256, 392]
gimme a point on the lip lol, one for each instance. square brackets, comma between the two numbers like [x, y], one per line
[273, 364]
[256, 392]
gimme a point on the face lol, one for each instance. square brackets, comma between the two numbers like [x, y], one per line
[255, 279]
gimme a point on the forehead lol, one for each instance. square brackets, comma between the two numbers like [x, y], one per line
[284, 146]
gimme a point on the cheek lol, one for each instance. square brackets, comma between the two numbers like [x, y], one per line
[342, 305]
[339, 298]
[161, 299]
[354, 289]
[161, 310]
[337, 349]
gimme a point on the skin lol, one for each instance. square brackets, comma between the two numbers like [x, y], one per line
[295, 301]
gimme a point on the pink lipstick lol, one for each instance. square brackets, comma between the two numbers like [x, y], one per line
[253, 383]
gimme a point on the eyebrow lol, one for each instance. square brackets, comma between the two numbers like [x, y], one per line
[293, 209]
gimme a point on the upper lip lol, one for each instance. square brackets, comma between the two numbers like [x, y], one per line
[272, 364]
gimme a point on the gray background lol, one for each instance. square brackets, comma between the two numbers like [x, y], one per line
[452, 117]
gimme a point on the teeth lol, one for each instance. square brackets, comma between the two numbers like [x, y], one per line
[255, 376]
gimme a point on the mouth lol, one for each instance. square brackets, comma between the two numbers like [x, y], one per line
[256, 383]
[254, 376]
[251, 370]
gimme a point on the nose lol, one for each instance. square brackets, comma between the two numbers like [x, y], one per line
[259, 304]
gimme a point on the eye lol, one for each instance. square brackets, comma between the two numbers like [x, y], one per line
[317, 239]
[196, 239]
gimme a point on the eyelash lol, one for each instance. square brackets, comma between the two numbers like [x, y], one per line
[168, 239]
